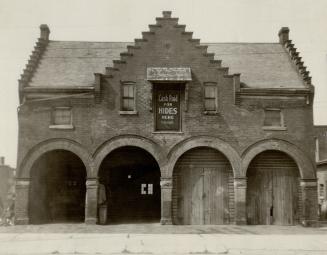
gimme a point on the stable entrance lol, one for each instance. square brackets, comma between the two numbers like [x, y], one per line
[203, 190]
[57, 188]
[131, 179]
[273, 190]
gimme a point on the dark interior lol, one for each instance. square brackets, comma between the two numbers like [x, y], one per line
[57, 190]
[123, 172]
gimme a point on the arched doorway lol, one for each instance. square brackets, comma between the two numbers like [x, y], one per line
[131, 177]
[203, 191]
[57, 188]
[273, 190]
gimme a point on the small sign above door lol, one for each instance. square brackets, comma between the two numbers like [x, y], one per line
[169, 74]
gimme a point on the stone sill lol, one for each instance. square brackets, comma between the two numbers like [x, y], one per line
[128, 112]
[274, 128]
[62, 127]
[168, 132]
[211, 113]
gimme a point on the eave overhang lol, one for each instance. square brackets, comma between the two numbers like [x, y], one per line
[275, 91]
[322, 162]
[33, 93]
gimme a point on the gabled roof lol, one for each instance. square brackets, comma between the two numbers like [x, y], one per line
[72, 64]
[262, 65]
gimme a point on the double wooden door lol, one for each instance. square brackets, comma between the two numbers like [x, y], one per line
[202, 195]
[273, 192]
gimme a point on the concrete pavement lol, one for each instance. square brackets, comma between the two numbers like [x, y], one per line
[280, 241]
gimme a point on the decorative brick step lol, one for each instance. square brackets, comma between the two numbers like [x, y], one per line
[195, 41]
[154, 27]
[223, 70]
[110, 70]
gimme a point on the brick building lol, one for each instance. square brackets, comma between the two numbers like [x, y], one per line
[7, 181]
[321, 159]
[166, 129]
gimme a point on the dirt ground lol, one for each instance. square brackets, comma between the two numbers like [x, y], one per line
[156, 228]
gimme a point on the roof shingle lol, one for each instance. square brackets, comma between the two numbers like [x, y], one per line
[72, 63]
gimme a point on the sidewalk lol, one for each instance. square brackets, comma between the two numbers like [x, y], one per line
[275, 240]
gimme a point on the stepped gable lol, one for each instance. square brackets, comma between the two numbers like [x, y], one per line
[72, 64]
[262, 65]
[294, 55]
[35, 58]
[166, 19]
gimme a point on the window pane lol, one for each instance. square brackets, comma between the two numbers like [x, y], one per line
[210, 104]
[131, 104]
[150, 189]
[210, 92]
[125, 104]
[125, 90]
[272, 118]
[130, 91]
[128, 104]
[62, 117]
[128, 97]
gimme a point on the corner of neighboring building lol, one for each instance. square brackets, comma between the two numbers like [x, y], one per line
[7, 191]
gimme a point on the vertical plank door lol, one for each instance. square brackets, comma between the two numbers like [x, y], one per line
[197, 199]
[216, 196]
[285, 196]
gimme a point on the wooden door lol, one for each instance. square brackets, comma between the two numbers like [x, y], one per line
[259, 204]
[201, 188]
[215, 196]
[272, 193]
[197, 196]
[203, 196]
[285, 197]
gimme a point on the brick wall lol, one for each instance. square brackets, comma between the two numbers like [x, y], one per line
[321, 135]
[238, 122]
[95, 123]
[6, 186]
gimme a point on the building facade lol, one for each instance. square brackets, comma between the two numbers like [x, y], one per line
[166, 129]
[7, 187]
[321, 159]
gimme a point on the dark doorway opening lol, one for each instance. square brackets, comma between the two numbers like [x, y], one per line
[273, 190]
[57, 189]
[131, 177]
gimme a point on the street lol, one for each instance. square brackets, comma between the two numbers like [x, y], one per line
[157, 239]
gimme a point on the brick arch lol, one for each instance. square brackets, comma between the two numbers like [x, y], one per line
[54, 144]
[128, 140]
[203, 141]
[306, 167]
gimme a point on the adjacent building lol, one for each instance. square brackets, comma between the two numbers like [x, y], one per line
[321, 159]
[7, 190]
[166, 129]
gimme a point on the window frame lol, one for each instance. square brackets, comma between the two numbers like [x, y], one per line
[282, 125]
[212, 85]
[54, 125]
[122, 97]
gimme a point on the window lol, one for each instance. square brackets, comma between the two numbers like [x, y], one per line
[321, 191]
[61, 118]
[210, 98]
[317, 149]
[146, 189]
[128, 97]
[274, 119]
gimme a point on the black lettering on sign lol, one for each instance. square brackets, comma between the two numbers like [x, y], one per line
[168, 109]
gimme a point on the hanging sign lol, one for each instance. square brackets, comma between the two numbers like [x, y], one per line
[168, 109]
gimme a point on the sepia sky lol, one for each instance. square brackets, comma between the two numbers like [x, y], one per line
[124, 20]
